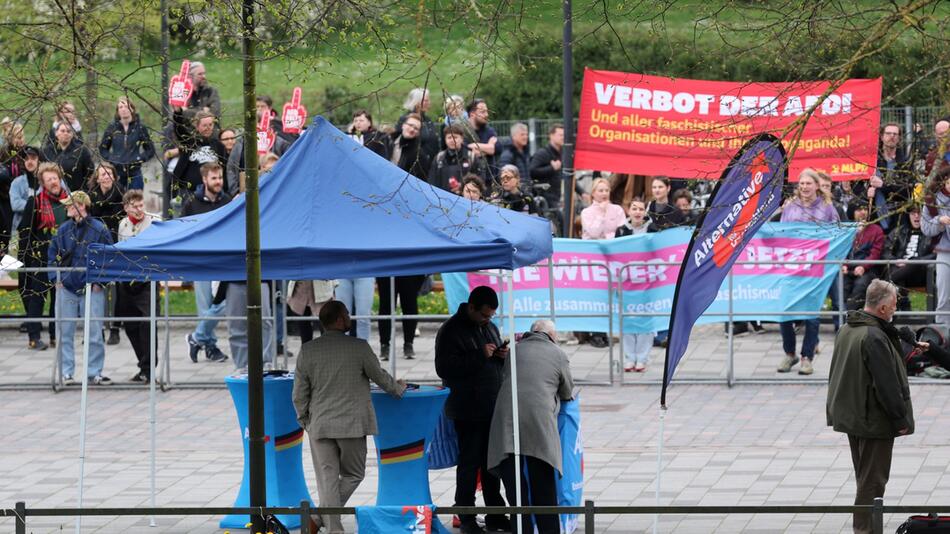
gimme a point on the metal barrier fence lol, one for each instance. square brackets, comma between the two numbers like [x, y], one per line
[614, 358]
[589, 512]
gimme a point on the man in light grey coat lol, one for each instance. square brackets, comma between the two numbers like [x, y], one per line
[332, 400]
[544, 380]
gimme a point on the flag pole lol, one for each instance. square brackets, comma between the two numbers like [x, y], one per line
[659, 466]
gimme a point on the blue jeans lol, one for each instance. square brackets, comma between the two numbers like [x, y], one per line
[204, 332]
[72, 305]
[808, 344]
[357, 294]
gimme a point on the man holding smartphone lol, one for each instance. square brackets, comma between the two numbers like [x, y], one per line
[470, 357]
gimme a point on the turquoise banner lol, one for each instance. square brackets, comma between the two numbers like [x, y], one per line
[647, 267]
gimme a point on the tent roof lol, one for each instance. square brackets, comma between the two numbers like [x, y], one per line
[331, 208]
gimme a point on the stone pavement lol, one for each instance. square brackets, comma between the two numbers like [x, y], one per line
[749, 445]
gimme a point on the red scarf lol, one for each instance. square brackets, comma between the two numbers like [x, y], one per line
[45, 201]
[135, 221]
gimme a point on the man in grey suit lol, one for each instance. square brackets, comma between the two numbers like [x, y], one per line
[332, 399]
[544, 380]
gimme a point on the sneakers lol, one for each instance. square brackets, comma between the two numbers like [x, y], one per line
[193, 348]
[598, 341]
[384, 352]
[408, 352]
[37, 344]
[52, 343]
[213, 353]
[806, 368]
[757, 327]
[100, 380]
[68, 380]
[787, 363]
[139, 378]
[113, 337]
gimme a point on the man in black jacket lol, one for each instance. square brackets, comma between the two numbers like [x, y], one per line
[198, 145]
[868, 393]
[545, 166]
[453, 163]
[209, 196]
[470, 358]
[516, 153]
[907, 242]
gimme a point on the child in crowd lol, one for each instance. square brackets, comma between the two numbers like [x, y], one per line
[636, 347]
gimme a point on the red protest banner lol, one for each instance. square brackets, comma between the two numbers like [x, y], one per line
[180, 87]
[294, 115]
[637, 124]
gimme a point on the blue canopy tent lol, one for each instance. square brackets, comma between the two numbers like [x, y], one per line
[331, 208]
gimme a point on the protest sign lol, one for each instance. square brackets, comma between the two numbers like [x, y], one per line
[637, 124]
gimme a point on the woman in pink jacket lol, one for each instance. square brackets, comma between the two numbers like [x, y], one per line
[601, 219]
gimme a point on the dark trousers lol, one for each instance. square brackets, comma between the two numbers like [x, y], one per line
[132, 300]
[473, 457]
[855, 288]
[407, 293]
[539, 488]
[34, 287]
[304, 328]
[872, 467]
[905, 277]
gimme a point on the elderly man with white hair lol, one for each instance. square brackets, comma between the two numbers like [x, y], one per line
[544, 380]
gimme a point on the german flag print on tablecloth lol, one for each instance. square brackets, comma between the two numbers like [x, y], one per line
[287, 441]
[402, 453]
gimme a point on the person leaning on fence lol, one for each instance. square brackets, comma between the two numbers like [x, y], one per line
[42, 215]
[663, 213]
[809, 204]
[868, 245]
[908, 242]
[134, 298]
[469, 358]
[935, 222]
[636, 347]
[544, 381]
[868, 393]
[70, 248]
[331, 398]
[600, 220]
[511, 195]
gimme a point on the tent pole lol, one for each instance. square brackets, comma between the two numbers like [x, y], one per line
[83, 398]
[56, 328]
[152, 340]
[516, 424]
[392, 325]
[283, 320]
[167, 364]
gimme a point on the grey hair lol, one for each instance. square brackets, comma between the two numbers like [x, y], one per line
[196, 64]
[546, 326]
[514, 170]
[518, 127]
[415, 98]
[878, 292]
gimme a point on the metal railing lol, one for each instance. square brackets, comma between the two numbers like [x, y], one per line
[614, 358]
[588, 512]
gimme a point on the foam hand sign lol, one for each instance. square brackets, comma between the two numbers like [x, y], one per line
[180, 88]
[294, 114]
[265, 136]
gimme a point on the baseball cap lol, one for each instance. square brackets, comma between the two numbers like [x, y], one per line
[77, 196]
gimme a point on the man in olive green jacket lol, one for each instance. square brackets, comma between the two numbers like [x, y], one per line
[868, 394]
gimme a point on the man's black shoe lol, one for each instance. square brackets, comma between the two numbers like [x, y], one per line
[193, 348]
[497, 524]
[213, 353]
[471, 527]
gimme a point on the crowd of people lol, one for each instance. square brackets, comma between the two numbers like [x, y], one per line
[902, 209]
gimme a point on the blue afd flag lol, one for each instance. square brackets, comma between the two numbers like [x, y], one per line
[748, 193]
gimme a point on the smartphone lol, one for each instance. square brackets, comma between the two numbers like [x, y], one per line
[504, 344]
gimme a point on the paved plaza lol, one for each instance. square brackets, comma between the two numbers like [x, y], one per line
[753, 444]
